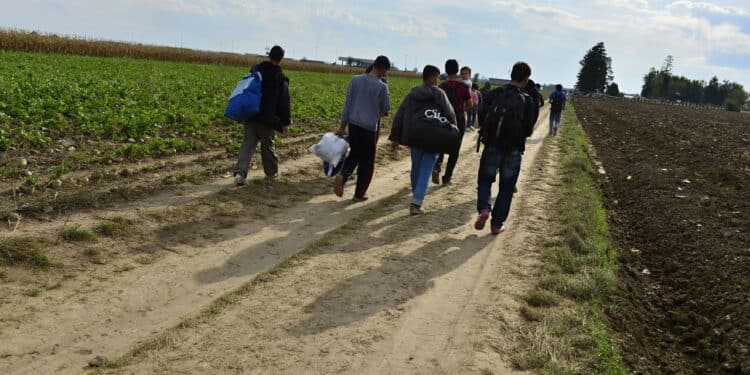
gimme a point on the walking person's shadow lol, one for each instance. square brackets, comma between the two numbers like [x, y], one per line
[394, 282]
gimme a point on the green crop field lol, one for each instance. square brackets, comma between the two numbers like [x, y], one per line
[165, 107]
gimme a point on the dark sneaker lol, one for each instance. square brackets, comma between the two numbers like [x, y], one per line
[360, 199]
[436, 177]
[482, 220]
[239, 179]
[446, 181]
[338, 186]
[415, 210]
[497, 230]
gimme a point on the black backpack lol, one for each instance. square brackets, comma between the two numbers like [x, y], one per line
[428, 129]
[556, 103]
[503, 116]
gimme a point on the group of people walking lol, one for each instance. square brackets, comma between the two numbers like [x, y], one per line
[504, 118]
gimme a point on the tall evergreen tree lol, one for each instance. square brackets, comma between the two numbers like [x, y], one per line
[596, 70]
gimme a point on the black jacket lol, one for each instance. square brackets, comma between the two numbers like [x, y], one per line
[536, 96]
[275, 104]
[411, 103]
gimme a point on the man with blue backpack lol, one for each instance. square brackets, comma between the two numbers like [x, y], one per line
[274, 114]
[557, 99]
[507, 117]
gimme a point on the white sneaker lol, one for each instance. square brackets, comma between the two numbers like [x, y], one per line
[238, 179]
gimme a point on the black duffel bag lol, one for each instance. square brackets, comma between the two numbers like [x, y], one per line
[429, 130]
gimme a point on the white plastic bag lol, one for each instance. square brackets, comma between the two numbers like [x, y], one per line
[331, 148]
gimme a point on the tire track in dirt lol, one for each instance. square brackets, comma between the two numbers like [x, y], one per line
[63, 336]
[441, 331]
[399, 295]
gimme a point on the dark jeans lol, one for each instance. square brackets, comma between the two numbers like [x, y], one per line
[452, 157]
[255, 133]
[362, 144]
[506, 161]
[555, 118]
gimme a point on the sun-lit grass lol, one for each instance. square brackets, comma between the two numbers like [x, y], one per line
[565, 333]
[76, 233]
[24, 250]
[130, 109]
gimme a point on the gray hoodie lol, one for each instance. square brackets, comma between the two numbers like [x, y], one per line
[411, 104]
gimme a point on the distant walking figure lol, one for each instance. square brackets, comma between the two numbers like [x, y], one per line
[557, 99]
[274, 115]
[367, 100]
[460, 98]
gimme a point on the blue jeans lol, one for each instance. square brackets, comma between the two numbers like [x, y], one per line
[421, 169]
[554, 122]
[506, 161]
[471, 118]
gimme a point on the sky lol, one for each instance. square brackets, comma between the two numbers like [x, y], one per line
[705, 38]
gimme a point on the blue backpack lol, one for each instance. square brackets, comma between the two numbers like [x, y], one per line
[244, 103]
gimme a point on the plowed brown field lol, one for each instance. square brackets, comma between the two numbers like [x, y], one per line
[676, 183]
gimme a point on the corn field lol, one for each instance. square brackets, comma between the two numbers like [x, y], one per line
[22, 41]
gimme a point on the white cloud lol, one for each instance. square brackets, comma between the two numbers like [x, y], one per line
[489, 34]
[709, 7]
[629, 4]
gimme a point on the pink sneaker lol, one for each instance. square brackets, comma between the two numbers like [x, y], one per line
[496, 230]
[482, 219]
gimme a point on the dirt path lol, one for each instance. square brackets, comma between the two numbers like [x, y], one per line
[64, 335]
[394, 295]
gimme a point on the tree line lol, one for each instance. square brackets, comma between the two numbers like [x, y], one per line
[596, 77]
[662, 84]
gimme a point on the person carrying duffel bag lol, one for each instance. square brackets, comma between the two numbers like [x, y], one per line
[425, 122]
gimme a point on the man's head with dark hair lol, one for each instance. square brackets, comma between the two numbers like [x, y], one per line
[276, 54]
[520, 73]
[431, 75]
[538, 86]
[475, 86]
[558, 87]
[451, 67]
[381, 65]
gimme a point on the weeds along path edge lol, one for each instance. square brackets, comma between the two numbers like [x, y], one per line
[566, 330]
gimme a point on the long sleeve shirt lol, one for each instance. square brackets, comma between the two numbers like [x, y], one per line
[367, 100]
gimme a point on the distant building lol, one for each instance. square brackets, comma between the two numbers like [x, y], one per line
[314, 61]
[360, 63]
[356, 62]
[498, 81]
